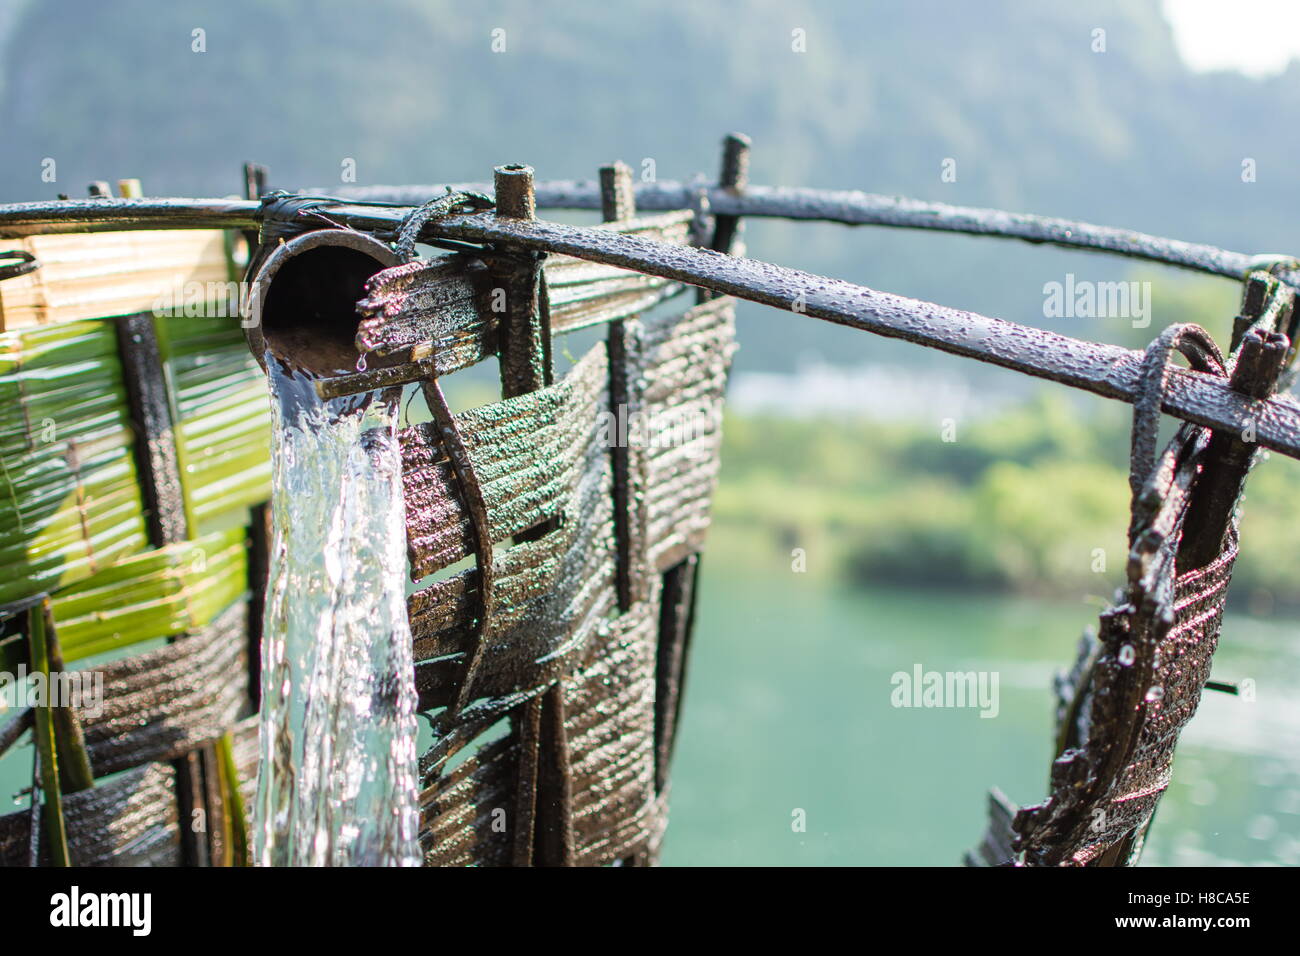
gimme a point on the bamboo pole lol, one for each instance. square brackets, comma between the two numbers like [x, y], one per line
[47, 750]
[1104, 370]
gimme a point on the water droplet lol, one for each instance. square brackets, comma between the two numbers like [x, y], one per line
[361, 362]
[1127, 655]
[1156, 693]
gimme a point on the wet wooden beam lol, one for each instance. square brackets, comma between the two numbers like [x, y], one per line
[1106, 370]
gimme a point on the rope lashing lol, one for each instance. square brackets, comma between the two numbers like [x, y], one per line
[1201, 352]
[282, 215]
[17, 262]
[408, 233]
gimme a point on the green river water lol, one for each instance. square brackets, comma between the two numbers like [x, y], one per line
[788, 708]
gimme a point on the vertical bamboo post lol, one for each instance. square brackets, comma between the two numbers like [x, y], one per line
[255, 180]
[53, 822]
[259, 531]
[617, 198]
[525, 342]
[618, 203]
[543, 834]
[168, 523]
[676, 622]
[733, 176]
[75, 773]
[677, 601]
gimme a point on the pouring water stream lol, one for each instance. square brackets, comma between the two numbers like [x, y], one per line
[338, 729]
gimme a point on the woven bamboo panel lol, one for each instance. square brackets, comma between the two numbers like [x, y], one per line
[219, 410]
[559, 752]
[1135, 686]
[85, 276]
[1174, 617]
[66, 458]
[539, 456]
[130, 820]
[686, 363]
[545, 458]
[555, 689]
[164, 622]
[163, 703]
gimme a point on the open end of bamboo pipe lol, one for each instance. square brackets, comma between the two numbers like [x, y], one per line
[302, 305]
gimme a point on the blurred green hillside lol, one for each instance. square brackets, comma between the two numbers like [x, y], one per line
[1035, 501]
[1015, 91]
[1032, 500]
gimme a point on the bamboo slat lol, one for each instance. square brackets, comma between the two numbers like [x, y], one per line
[110, 274]
[165, 702]
[222, 424]
[160, 593]
[130, 820]
[69, 500]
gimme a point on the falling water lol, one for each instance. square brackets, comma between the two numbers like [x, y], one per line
[338, 733]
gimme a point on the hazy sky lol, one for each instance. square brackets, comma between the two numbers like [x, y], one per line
[1257, 37]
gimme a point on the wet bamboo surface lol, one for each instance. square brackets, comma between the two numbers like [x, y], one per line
[554, 536]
